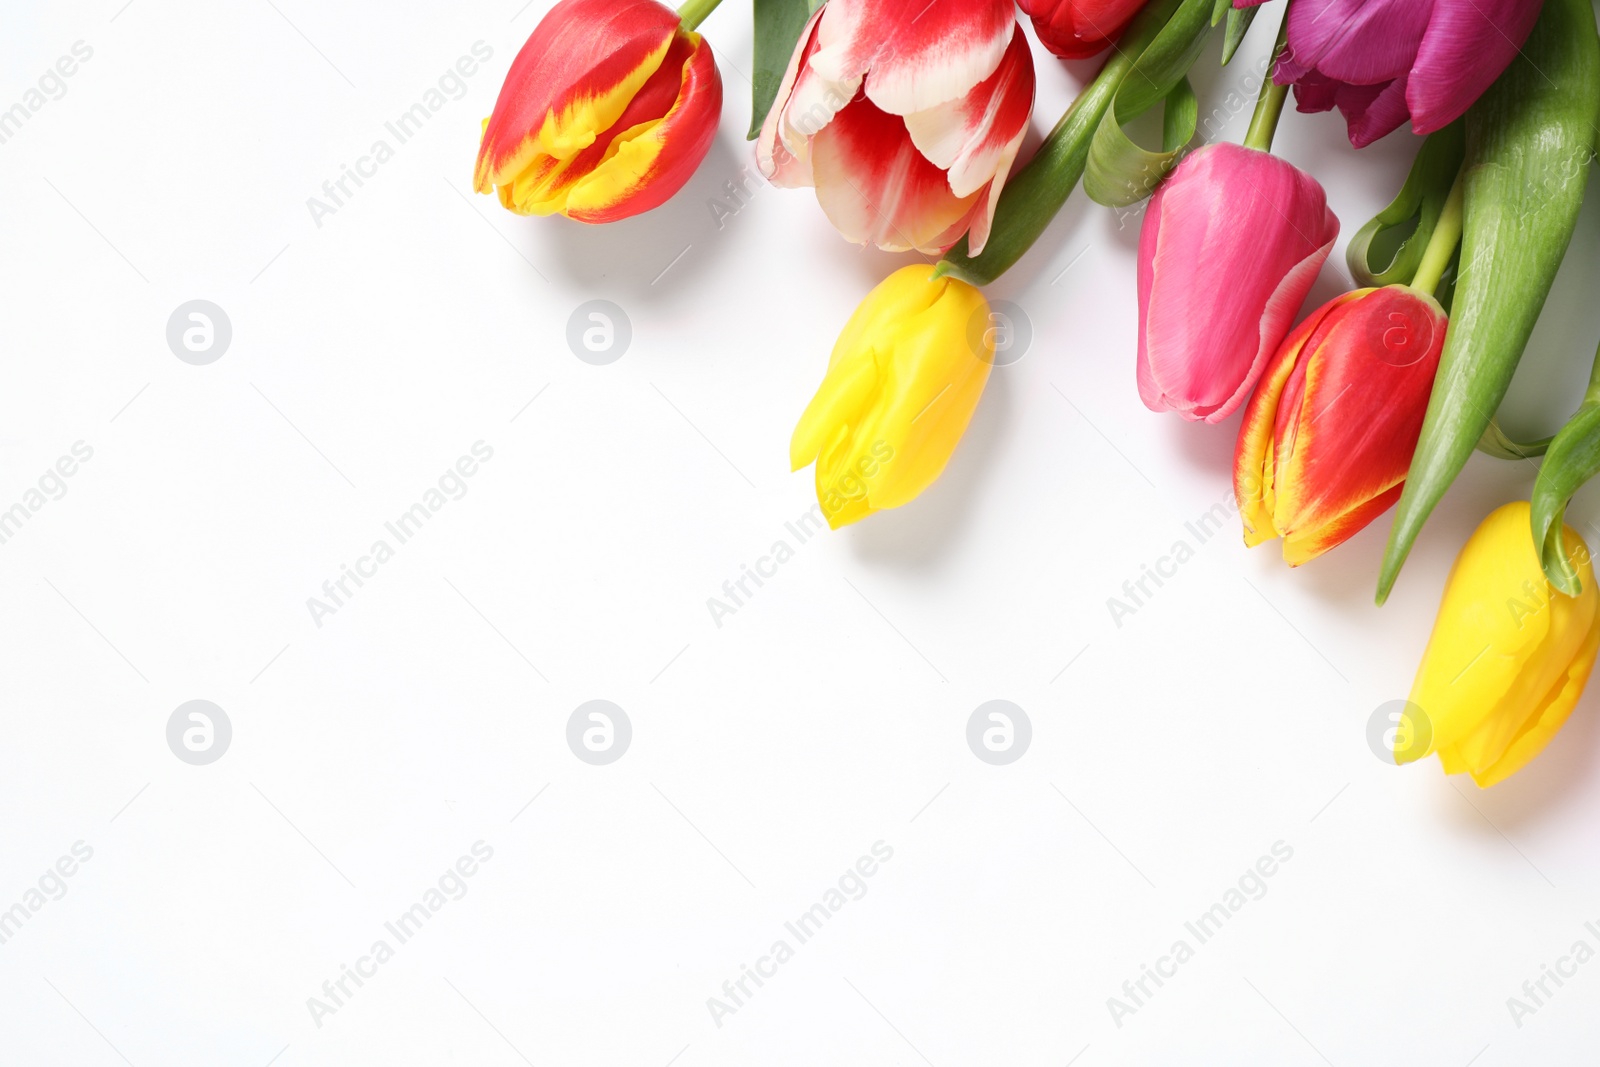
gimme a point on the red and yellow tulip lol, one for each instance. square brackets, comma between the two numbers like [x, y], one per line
[605, 113]
[1329, 433]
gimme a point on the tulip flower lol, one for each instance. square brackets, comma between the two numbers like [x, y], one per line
[904, 378]
[1383, 62]
[1231, 244]
[606, 112]
[1329, 433]
[1077, 29]
[906, 118]
[1509, 654]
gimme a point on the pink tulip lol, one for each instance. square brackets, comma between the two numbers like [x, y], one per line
[1381, 62]
[906, 117]
[1231, 244]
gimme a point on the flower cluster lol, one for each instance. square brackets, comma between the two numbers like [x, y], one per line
[908, 121]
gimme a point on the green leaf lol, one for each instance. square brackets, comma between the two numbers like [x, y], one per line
[1573, 458]
[1497, 443]
[1239, 20]
[777, 30]
[1181, 114]
[1528, 145]
[1120, 172]
[1397, 235]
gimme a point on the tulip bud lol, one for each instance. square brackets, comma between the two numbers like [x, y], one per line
[1328, 435]
[1509, 655]
[903, 381]
[1231, 245]
[1078, 29]
[606, 112]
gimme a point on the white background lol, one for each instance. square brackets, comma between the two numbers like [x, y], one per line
[768, 754]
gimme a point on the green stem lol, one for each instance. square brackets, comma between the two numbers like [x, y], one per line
[1269, 102]
[1442, 242]
[694, 12]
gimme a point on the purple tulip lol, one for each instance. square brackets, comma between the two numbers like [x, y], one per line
[1381, 62]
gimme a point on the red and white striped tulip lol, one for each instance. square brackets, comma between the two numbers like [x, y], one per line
[605, 113]
[905, 117]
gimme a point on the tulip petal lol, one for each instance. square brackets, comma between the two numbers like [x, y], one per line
[972, 135]
[1077, 29]
[1550, 716]
[956, 76]
[975, 138]
[844, 498]
[1230, 246]
[981, 221]
[1543, 676]
[928, 392]
[1312, 92]
[1349, 415]
[832, 66]
[1370, 111]
[1508, 653]
[647, 156]
[1356, 41]
[844, 391]
[938, 53]
[650, 161]
[1254, 462]
[1301, 547]
[777, 161]
[1467, 45]
[1373, 111]
[571, 81]
[876, 188]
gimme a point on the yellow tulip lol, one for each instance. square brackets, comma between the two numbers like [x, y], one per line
[903, 381]
[1509, 654]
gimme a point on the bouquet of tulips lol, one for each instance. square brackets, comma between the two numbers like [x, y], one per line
[907, 119]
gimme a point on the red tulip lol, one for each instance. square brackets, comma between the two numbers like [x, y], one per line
[906, 117]
[1328, 436]
[1077, 29]
[1231, 244]
[606, 112]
